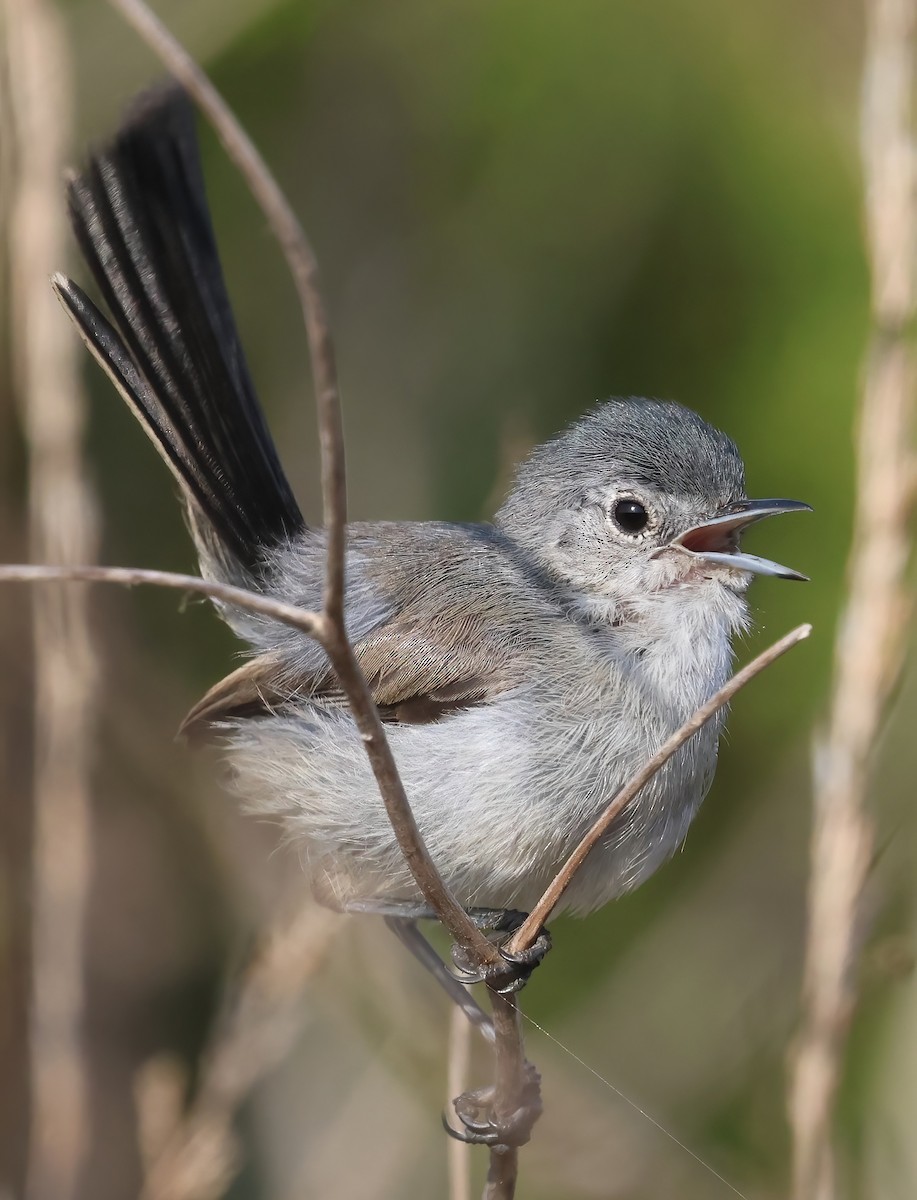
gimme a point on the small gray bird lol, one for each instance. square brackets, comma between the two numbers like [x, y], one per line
[525, 669]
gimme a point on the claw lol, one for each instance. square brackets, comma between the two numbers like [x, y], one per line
[481, 1127]
[505, 977]
[468, 1137]
[452, 1131]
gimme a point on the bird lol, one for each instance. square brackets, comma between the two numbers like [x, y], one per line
[524, 668]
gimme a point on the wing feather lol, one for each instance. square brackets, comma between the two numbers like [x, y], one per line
[461, 621]
[415, 677]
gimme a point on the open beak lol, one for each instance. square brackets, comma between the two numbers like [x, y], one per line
[717, 540]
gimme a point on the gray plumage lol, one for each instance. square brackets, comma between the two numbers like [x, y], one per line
[525, 669]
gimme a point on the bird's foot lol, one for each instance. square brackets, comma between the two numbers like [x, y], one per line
[511, 972]
[481, 1126]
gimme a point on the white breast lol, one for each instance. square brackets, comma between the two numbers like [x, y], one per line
[504, 791]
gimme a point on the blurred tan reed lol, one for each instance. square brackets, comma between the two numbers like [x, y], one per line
[870, 644]
[63, 528]
[459, 1154]
[194, 1155]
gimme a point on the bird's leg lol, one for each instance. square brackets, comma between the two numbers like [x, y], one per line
[405, 929]
[508, 975]
[474, 1109]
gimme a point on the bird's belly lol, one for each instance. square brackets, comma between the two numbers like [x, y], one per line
[560, 792]
[501, 799]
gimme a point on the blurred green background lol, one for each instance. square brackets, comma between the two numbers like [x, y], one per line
[519, 208]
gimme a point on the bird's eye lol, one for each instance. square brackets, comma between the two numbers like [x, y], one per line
[630, 516]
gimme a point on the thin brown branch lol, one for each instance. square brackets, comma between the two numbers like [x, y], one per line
[870, 645]
[502, 1173]
[303, 266]
[307, 622]
[62, 524]
[527, 932]
[510, 1089]
[422, 867]
[304, 269]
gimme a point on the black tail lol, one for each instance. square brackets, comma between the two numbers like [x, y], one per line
[140, 214]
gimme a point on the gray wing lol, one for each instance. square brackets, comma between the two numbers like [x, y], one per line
[460, 622]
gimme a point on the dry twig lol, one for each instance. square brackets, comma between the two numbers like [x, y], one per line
[510, 1088]
[540, 914]
[304, 268]
[62, 527]
[871, 636]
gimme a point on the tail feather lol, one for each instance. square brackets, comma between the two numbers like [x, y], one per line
[140, 215]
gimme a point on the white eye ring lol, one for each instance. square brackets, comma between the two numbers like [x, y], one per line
[630, 517]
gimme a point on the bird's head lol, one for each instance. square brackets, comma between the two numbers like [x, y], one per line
[639, 500]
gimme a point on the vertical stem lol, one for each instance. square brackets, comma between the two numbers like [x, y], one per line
[510, 1064]
[62, 527]
[871, 636]
[502, 1174]
[459, 1062]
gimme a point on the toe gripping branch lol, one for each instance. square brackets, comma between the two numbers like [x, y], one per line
[512, 972]
[483, 1126]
